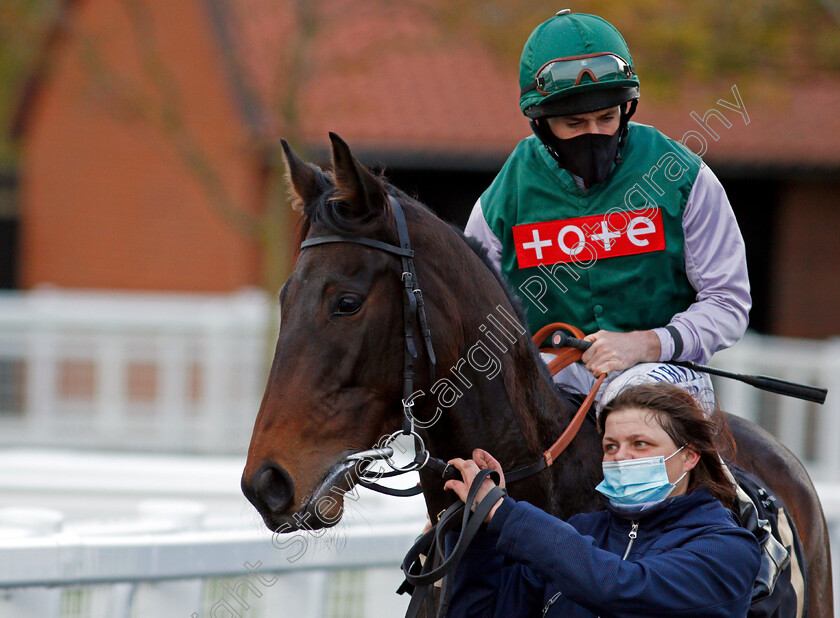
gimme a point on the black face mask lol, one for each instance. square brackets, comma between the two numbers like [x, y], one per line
[590, 156]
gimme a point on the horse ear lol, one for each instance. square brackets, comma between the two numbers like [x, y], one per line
[301, 176]
[363, 193]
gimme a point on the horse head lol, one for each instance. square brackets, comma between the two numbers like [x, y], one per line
[335, 384]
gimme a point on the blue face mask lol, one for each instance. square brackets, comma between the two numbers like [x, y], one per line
[634, 481]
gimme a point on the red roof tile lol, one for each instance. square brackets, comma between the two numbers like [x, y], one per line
[384, 76]
[801, 129]
[388, 76]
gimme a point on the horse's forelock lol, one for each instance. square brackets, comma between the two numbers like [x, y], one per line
[329, 211]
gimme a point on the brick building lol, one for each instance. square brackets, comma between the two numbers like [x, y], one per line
[148, 120]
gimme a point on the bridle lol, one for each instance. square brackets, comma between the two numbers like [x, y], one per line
[420, 577]
[414, 312]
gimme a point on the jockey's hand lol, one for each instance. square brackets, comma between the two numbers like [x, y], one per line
[468, 469]
[613, 351]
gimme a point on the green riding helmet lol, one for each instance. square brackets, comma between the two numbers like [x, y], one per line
[575, 64]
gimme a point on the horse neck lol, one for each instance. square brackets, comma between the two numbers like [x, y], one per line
[494, 394]
[513, 415]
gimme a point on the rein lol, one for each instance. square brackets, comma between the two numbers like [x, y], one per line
[420, 575]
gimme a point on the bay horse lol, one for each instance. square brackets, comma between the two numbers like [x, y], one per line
[336, 382]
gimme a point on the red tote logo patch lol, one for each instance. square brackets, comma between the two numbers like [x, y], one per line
[583, 238]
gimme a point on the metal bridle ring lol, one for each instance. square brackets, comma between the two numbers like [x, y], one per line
[413, 465]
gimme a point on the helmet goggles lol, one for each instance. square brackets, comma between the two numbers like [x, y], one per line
[562, 73]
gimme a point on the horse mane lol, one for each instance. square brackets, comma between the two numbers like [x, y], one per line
[515, 302]
[328, 209]
[481, 251]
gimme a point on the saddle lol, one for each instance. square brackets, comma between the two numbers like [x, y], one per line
[779, 590]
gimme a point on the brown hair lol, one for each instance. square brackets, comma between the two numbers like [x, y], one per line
[685, 422]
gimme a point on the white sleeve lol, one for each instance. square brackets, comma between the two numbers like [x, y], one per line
[716, 267]
[477, 228]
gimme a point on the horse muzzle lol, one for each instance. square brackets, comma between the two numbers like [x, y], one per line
[272, 492]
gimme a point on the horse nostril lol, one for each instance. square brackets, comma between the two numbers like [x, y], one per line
[274, 486]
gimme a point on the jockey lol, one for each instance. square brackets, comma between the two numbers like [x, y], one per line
[609, 225]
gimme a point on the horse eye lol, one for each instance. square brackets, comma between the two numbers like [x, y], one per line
[347, 305]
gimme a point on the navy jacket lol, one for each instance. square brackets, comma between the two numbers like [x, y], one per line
[690, 558]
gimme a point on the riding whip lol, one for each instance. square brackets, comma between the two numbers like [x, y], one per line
[774, 385]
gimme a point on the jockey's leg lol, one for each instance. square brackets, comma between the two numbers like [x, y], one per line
[577, 379]
[698, 384]
[574, 378]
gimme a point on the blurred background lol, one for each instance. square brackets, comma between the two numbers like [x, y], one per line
[145, 232]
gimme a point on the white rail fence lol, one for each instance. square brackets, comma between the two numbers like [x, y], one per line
[136, 536]
[183, 373]
[810, 430]
[180, 373]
